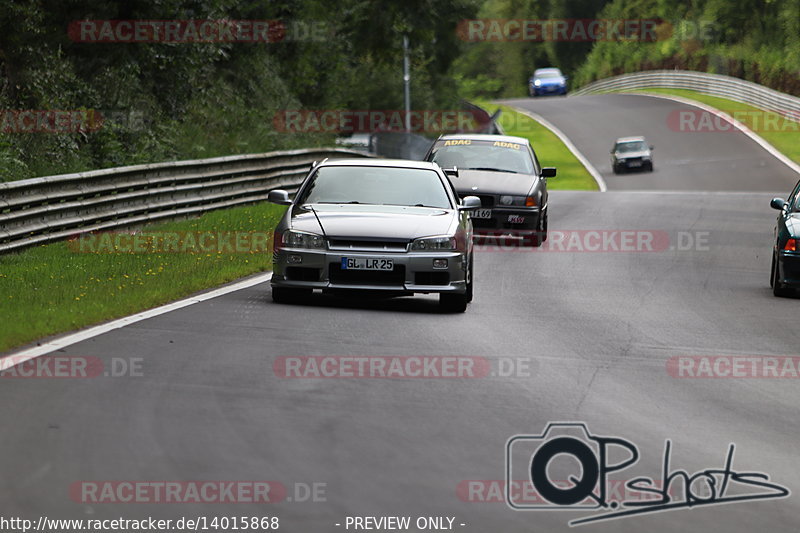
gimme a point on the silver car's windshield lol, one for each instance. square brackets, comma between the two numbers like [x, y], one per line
[633, 146]
[377, 186]
[484, 155]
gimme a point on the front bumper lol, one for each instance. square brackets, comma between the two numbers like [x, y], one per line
[634, 163]
[549, 89]
[789, 269]
[512, 218]
[412, 272]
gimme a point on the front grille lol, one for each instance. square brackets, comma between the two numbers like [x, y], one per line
[487, 200]
[364, 245]
[367, 277]
[631, 160]
[295, 273]
[432, 278]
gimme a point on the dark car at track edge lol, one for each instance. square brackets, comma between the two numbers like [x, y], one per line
[504, 172]
[785, 272]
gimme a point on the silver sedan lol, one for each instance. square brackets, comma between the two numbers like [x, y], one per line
[394, 226]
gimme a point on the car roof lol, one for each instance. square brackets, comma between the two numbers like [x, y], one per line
[545, 70]
[484, 137]
[379, 162]
[629, 139]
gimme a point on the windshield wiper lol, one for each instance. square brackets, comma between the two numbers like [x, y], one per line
[493, 169]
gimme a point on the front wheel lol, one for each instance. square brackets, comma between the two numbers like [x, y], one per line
[470, 277]
[778, 288]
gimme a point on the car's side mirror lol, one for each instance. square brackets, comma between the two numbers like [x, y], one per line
[777, 203]
[612, 151]
[451, 172]
[652, 147]
[279, 197]
[548, 172]
[470, 203]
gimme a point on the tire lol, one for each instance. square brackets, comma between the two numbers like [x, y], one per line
[454, 302]
[778, 288]
[649, 167]
[541, 231]
[286, 295]
[470, 280]
[616, 169]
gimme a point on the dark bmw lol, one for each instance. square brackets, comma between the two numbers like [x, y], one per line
[505, 174]
[785, 275]
[382, 226]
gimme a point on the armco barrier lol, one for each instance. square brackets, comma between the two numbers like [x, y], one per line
[711, 84]
[41, 210]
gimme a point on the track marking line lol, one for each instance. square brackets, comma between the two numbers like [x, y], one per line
[601, 183]
[15, 358]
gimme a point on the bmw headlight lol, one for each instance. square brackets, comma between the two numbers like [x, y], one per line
[300, 239]
[434, 244]
[527, 201]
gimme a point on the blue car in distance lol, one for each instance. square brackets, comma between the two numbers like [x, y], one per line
[547, 81]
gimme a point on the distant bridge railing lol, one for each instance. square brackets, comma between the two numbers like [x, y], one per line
[40, 210]
[711, 84]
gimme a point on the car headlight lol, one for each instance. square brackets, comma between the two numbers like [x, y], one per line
[527, 201]
[300, 239]
[434, 244]
[537, 83]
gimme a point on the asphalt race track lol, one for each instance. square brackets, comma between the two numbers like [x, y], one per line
[684, 160]
[585, 336]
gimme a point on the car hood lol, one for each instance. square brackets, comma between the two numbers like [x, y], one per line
[373, 221]
[629, 155]
[472, 182]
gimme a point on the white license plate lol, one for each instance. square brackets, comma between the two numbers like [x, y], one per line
[634, 163]
[367, 263]
[482, 213]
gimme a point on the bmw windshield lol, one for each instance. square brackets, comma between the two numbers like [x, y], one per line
[483, 155]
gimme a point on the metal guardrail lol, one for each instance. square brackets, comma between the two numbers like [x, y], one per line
[711, 84]
[40, 210]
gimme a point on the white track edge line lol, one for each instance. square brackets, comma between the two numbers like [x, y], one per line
[15, 358]
[601, 183]
[735, 123]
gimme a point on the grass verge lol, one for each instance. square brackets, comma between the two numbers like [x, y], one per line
[781, 133]
[65, 286]
[572, 175]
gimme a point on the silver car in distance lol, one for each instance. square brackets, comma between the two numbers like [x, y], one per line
[375, 225]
